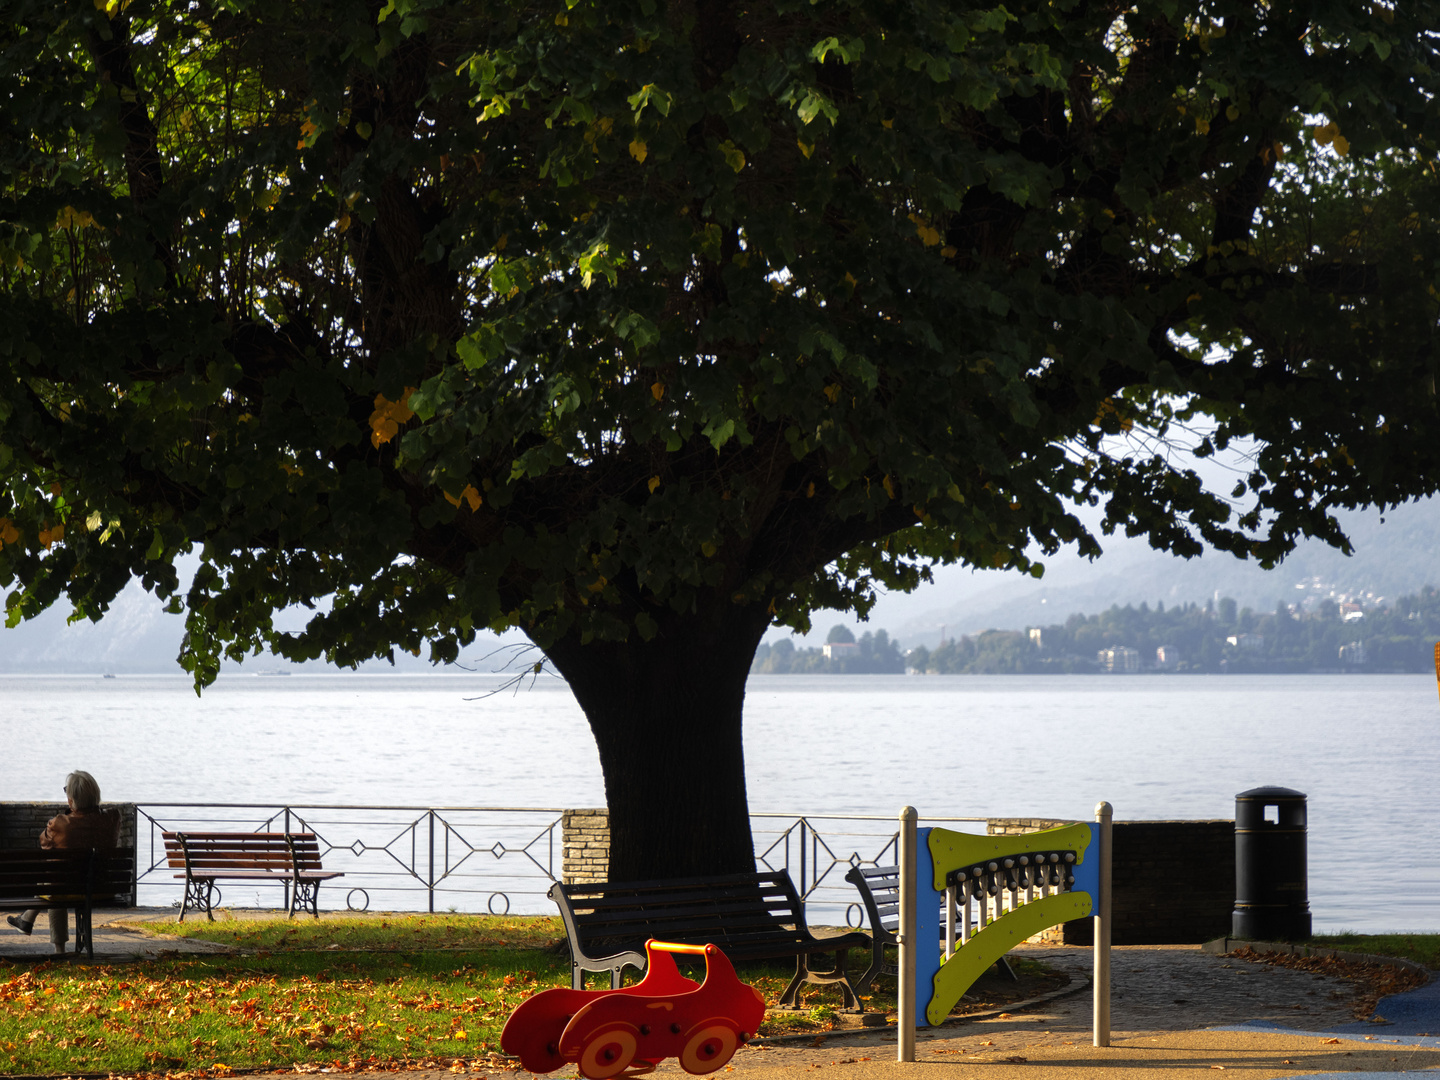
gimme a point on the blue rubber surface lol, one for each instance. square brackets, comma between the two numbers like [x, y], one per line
[1412, 1019]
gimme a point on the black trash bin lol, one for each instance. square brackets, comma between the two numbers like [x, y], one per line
[1271, 895]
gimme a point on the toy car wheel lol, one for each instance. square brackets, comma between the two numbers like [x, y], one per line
[708, 1048]
[608, 1052]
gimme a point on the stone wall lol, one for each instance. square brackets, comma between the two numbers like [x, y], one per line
[1173, 882]
[21, 824]
[585, 836]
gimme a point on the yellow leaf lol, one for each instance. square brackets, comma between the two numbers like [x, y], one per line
[657, 390]
[806, 149]
[850, 278]
[1325, 133]
[888, 485]
[382, 430]
[1202, 126]
[929, 235]
[8, 533]
[1342, 145]
[638, 151]
[654, 483]
[385, 421]
[52, 534]
[832, 392]
[561, 20]
[708, 549]
[70, 218]
[1232, 113]
[887, 124]
[810, 490]
[342, 222]
[470, 495]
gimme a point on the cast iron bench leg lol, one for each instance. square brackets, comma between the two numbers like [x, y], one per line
[197, 895]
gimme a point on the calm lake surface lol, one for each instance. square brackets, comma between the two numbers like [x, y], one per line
[1365, 749]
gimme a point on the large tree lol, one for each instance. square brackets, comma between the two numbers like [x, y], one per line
[645, 325]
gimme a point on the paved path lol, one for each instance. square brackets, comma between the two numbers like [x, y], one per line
[114, 942]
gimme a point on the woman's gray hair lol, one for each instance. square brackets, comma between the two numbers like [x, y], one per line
[82, 790]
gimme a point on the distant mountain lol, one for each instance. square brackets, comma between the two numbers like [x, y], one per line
[137, 636]
[1392, 559]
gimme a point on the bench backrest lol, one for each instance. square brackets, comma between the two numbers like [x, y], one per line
[26, 872]
[731, 909]
[880, 893]
[277, 852]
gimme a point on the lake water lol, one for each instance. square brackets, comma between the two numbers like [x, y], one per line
[1365, 749]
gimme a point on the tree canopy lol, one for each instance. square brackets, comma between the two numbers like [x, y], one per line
[641, 326]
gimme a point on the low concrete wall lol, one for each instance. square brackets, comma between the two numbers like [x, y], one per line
[1173, 881]
[21, 824]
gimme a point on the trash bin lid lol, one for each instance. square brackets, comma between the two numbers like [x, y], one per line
[1271, 794]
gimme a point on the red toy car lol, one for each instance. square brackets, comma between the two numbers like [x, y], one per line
[664, 1015]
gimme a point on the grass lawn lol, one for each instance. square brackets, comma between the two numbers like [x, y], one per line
[334, 991]
[1422, 948]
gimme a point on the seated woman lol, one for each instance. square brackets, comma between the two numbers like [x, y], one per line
[85, 826]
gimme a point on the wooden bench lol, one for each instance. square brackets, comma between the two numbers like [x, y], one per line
[290, 860]
[750, 916]
[55, 880]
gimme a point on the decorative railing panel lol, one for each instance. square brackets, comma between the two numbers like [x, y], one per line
[497, 859]
[394, 858]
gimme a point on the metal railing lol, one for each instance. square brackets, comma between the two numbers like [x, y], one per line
[487, 858]
[402, 858]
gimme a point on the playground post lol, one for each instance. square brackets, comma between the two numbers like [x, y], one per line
[996, 891]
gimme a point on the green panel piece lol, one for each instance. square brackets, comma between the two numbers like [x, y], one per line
[952, 850]
[986, 946]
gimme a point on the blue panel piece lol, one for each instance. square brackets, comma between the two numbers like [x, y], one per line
[927, 926]
[1087, 872]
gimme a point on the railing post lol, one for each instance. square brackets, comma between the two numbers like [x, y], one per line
[803, 888]
[1101, 975]
[906, 978]
[430, 877]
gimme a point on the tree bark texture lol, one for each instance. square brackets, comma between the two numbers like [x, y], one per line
[666, 716]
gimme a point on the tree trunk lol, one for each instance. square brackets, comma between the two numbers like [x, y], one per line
[666, 715]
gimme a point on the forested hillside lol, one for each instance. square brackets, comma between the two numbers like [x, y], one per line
[872, 654]
[1209, 638]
